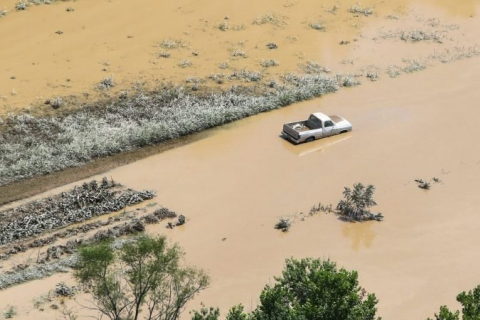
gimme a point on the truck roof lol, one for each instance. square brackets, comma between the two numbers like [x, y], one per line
[321, 116]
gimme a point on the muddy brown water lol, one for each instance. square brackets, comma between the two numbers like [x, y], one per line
[121, 38]
[236, 183]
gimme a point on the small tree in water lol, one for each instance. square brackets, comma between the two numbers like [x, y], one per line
[356, 202]
[142, 277]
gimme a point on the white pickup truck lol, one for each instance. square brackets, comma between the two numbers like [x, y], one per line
[317, 126]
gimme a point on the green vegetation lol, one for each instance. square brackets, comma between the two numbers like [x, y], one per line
[470, 302]
[308, 289]
[142, 276]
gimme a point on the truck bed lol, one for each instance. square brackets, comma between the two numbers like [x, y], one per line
[299, 126]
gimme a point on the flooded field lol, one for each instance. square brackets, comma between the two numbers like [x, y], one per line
[234, 182]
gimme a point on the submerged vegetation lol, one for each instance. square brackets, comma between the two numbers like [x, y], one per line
[356, 203]
[34, 146]
[76, 205]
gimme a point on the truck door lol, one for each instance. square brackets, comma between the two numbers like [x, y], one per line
[328, 128]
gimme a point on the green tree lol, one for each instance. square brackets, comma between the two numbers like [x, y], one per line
[311, 289]
[142, 277]
[470, 302]
[237, 313]
[206, 313]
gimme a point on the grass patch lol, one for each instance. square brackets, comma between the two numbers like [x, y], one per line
[239, 53]
[172, 43]
[271, 18]
[419, 35]
[246, 75]
[357, 9]
[267, 63]
[10, 312]
[184, 63]
[224, 65]
[317, 26]
[414, 66]
[313, 67]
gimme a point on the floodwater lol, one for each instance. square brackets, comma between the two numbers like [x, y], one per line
[237, 182]
[122, 38]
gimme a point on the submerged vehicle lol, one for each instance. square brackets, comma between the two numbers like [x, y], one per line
[317, 126]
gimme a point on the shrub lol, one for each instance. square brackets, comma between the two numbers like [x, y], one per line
[317, 26]
[420, 35]
[185, 63]
[239, 53]
[271, 18]
[223, 65]
[347, 80]
[223, 26]
[357, 9]
[246, 75]
[56, 102]
[283, 224]
[171, 43]
[21, 6]
[106, 83]
[267, 63]
[313, 67]
[414, 66]
[10, 312]
[272, 45]
[354, 206]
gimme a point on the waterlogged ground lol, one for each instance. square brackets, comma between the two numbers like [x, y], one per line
[48, 51]
[236, 181]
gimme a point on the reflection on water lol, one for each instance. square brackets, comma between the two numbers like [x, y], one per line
[360, 233]
[321, 145]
